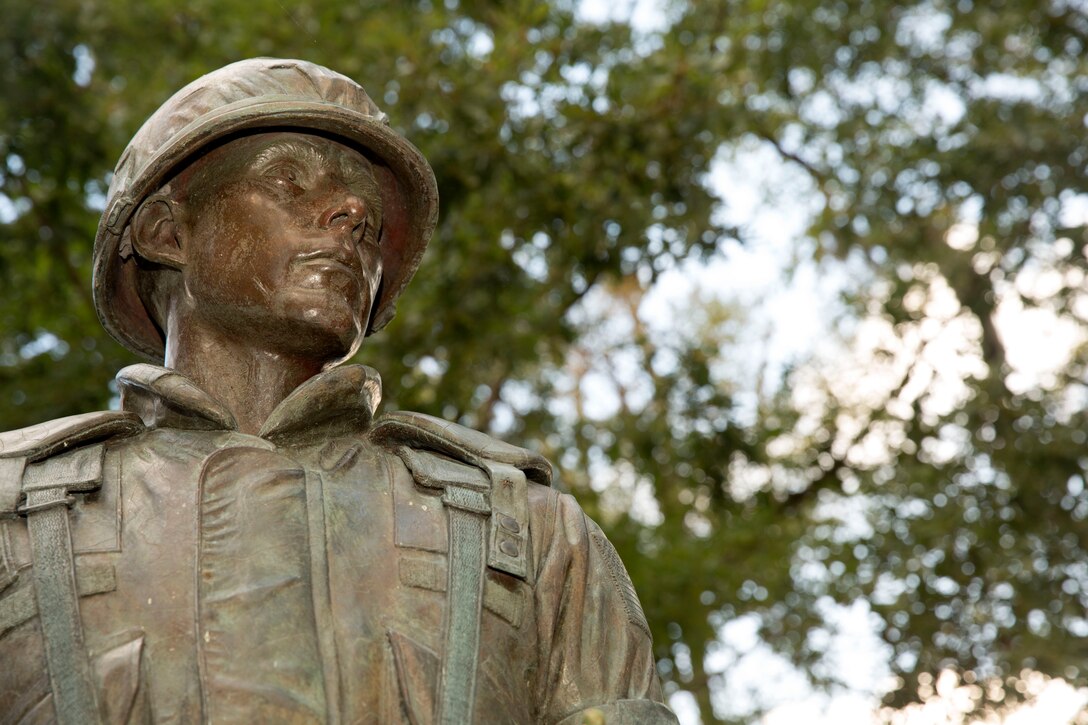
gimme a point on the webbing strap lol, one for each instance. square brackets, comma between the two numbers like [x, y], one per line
[58, 607]
[322, 595]
[457, 689]
[47, 485]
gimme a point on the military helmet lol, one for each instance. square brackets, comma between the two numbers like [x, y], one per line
[250, 96]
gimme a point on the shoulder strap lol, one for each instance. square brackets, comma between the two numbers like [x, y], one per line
[437, 452]
[40, 468]
[481, 479]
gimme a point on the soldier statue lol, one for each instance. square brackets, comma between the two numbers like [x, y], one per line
[247, 540]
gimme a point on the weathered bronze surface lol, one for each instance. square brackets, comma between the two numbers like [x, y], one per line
[247, 540]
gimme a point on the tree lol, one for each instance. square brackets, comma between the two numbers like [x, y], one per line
[944, 144]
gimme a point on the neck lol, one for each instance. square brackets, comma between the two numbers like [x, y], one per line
[249, 381]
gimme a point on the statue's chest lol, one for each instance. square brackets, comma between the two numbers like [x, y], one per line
[256, 575]
[242, 581]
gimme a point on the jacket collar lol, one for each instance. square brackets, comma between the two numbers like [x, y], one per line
[340, 400]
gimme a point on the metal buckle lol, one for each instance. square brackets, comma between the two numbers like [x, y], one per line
[25, 509]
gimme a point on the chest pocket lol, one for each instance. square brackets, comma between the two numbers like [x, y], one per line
[18, 603]
[504, 596]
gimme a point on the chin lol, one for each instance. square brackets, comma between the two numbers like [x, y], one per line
[324, 327]
[328, 337]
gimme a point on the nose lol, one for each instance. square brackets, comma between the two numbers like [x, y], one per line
[346, 210]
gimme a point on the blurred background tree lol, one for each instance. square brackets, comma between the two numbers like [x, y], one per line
[922, 468]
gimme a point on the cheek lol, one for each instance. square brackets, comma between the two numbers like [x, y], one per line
[232, 258]
[241, 245]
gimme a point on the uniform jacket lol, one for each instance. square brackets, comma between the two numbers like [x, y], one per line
[300, 575]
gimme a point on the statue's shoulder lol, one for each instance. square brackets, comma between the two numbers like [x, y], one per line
[45, 440]
[58, 449]
[418, 432]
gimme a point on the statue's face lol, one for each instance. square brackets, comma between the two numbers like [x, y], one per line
[277, 254]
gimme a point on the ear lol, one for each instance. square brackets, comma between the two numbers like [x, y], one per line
[157, 232]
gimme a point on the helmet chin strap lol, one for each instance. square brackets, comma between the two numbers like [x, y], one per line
[365, 328]
[351, 353]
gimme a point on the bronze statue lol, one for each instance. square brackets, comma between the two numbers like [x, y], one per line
[246, 540]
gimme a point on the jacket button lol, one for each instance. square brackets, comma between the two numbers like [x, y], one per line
[508, 547]
[510, 524]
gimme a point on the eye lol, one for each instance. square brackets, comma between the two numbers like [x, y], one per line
[286, 177]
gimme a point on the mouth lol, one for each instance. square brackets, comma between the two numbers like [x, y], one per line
[334, 259]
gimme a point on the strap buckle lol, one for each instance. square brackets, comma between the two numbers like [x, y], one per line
[67, 501]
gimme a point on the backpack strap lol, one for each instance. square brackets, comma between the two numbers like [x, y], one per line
[482, 480]
[40, 468]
